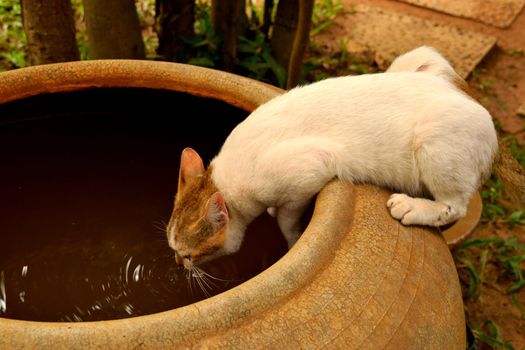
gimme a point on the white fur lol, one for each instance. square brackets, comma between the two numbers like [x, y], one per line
[410, 131]
[423, 59]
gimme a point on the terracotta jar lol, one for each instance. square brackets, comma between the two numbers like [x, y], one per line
[356, 279]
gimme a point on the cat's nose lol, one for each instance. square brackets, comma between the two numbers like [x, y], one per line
[186, 261]
[183, 259]
[188, 265]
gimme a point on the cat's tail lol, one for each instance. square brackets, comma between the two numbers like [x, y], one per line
[429, 60]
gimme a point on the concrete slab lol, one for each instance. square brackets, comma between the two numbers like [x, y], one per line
[498, 13]
[391, 33]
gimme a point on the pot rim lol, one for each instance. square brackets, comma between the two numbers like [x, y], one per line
[236, 90]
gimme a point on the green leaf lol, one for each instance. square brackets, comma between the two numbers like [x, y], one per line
[477, 242]
[324, 14]
[195, 41]
[202, 61]
[483, 257]
[513, 242]
[516, 286]
[518, 306]
[277, 69]
[513, 264]
[493, 338]
[474, 280]
[16, 58]
[320, 27]
[514, 52]
[496, 209]
[247, 47]
[515, 218]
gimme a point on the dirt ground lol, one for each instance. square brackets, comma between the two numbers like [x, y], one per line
[499, 84]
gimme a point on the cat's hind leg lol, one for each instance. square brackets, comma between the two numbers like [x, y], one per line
[451, 163]
[451, 174]
[452, 156]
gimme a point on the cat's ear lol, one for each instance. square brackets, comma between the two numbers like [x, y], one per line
[216, 211]
[191, 166]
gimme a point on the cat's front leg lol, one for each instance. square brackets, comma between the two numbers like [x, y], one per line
[421, 211]
[289, 220]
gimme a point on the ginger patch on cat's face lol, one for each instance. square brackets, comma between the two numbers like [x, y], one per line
[190, 230]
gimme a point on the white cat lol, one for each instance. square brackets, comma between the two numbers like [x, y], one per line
[411, 129]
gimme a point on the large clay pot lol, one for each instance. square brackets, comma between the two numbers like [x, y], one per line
[356, 279]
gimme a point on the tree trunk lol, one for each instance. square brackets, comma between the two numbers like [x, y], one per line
[284, 30]
[113, 29]
[291, 32]
[267, 16]
[50, 31]
[228, 19]
[300, 43]
[176, 19]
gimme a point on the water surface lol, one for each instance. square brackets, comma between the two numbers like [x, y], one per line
[87, 182]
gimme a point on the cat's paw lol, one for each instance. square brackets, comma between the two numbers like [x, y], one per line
[419, 211]
[400, 205]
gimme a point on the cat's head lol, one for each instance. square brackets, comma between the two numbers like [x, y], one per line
[198, 225]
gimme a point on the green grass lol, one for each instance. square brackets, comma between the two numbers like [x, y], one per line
[495, 209]
[324, 14]
[496, 204]
[488, 334]
[485, 84]
[491, 262]
[515, 148]
[514, 52]
[507, 256]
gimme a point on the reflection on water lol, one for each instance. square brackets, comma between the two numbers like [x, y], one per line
[3, 299]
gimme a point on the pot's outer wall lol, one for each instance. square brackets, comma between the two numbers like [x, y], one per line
[356, 279]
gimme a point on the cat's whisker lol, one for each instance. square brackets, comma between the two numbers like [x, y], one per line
[159, 226]
[209, 279]
[201, 285]
[203, 288]
[203, 281]
[213, 277]
[206, 281]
